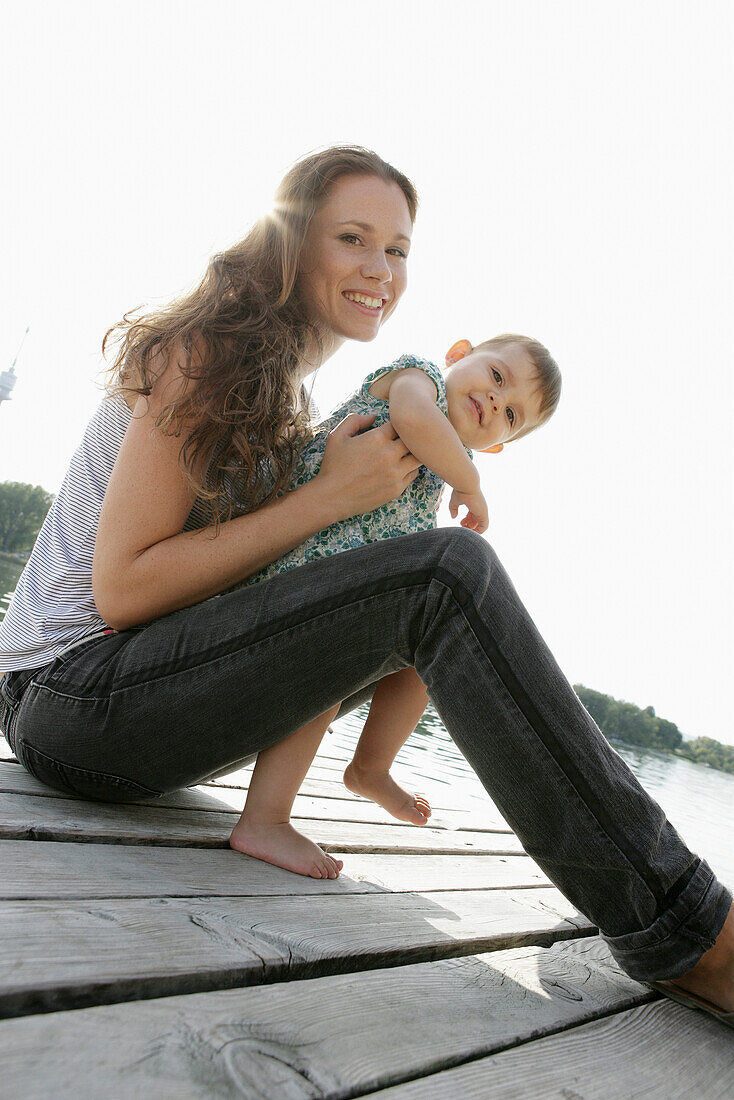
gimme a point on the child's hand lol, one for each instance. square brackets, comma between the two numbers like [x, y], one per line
[477, 516]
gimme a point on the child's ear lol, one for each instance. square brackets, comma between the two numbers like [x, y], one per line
[457, 351]
[492, 450]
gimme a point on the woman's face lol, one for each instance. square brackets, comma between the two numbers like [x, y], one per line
[353, 267]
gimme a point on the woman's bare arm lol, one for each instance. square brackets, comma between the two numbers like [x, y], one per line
[145, 565]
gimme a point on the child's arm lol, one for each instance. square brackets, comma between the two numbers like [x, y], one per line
[429, 435]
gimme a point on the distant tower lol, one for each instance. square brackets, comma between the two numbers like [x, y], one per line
[7, 381]
[8, 377]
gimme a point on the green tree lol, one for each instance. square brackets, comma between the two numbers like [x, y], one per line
[705, 750]
[626, 722]
[23, 509]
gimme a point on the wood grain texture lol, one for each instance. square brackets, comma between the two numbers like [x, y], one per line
[658, 1051]
[328, 801]
[14, 779]
[70, 954]
[28, 817]
[302, 1039]
[50, 869]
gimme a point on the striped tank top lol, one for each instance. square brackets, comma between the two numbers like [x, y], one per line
[53, 604]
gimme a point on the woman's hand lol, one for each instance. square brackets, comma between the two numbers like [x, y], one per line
[477, 516]
[364, 471]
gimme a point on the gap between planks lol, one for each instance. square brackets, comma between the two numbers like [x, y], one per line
[97, 952]
[299, 1039]
[316, 798]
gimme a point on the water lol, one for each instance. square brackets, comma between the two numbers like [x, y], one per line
[696, 799]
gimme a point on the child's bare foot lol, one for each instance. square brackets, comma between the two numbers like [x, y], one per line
[380, 787]
[281, 844]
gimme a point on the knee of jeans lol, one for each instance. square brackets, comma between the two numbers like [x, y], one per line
[467, 556]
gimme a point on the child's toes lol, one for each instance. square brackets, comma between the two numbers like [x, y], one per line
[334, 867]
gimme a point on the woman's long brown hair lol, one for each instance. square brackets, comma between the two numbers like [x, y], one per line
[239, 336]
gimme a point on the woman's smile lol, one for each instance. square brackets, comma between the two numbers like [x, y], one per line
[364, 301]
[353, 269]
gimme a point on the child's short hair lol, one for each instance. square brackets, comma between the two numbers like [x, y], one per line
[549, 376]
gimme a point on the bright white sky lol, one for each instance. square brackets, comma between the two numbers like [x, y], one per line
[574, 161]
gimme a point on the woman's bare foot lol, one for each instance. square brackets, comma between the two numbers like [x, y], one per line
[281, 844]
[713, 975]
[380, 787]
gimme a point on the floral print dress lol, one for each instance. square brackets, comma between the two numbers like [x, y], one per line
[414, 510]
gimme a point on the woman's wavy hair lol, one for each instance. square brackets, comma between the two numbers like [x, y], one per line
[239, 336]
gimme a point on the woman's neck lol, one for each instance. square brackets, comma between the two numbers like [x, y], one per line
[314, 356]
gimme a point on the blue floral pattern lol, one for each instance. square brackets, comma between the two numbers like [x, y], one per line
[414, 510]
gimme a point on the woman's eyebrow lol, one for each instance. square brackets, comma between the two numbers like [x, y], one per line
[370, 228]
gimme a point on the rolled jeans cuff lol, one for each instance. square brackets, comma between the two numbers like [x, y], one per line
[677, 939]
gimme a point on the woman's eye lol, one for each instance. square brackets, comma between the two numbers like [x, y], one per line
[398, 252]
[350, 238]
[497, 376]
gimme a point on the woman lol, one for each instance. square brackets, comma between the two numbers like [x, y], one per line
[204, 428]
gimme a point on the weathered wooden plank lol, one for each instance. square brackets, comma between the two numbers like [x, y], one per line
[322, 788]
[479, 815]
[16, 780]
[48, 869]
[72, 954]
[27, 817]
[317, 799]
[658, 1051]
[298, 1039]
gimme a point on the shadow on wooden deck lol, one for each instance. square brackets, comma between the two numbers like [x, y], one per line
[442, 962]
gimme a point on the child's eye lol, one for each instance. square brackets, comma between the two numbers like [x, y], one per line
[511, 416]
[497, 376]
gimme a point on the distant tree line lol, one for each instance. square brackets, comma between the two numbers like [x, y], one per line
[705, 750]
[23, 509]
[623, 721]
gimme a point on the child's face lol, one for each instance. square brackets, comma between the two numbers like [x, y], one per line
[492, 393]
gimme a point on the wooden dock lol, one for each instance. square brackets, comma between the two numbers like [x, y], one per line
[141, 957]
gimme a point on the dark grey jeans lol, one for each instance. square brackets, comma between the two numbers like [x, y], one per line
[187, 696]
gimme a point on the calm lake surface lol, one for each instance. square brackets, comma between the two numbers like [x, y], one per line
[698, 800]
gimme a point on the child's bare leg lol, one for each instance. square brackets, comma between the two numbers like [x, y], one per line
[264, 829]
[397, 704]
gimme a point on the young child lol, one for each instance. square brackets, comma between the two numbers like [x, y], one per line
[493, 393]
